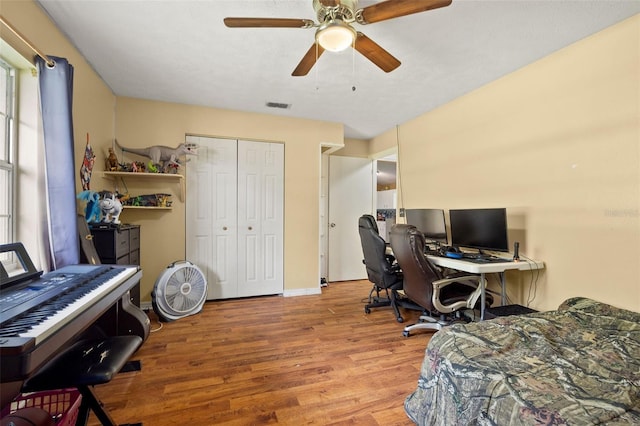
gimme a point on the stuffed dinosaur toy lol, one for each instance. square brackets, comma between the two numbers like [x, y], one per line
[162, 156]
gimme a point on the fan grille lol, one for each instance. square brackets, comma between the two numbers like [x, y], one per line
[179, 291]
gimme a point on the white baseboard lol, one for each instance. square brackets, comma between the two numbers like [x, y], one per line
[302, 292]
[146, 306]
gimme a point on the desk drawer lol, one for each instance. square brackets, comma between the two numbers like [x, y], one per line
[134, 257]
[117, 245]
[111, 244]
[134, 238]
[122, 242]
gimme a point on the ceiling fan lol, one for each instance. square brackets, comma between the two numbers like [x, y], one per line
[334, 30]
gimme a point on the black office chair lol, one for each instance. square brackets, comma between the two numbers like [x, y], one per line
[442, 298]
[382, 270]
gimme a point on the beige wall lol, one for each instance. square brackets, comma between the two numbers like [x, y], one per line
[354, 148]
[558, 144]
[137, 123]
[141, 123]
[385, 143]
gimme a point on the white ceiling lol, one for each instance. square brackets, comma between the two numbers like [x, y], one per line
[180, 51]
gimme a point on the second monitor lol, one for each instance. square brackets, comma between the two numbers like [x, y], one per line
[430, 222]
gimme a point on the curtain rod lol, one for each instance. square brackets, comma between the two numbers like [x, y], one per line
[37, 51]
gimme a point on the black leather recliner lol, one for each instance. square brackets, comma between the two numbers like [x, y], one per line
[441, 297]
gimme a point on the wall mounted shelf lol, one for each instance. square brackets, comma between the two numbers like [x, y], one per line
[152, 177]
[146, 208]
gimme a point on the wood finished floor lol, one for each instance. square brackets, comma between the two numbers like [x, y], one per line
[315, 359]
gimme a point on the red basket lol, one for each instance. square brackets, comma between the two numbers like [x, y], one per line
[62, 404]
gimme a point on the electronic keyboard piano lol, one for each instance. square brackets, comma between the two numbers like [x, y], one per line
[42, 315]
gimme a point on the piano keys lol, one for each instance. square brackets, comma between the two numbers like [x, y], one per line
[41, 316]
[51, 302]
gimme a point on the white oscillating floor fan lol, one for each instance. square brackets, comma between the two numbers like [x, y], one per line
[179, 291]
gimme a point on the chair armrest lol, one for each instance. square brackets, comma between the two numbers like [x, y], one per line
[468, 303]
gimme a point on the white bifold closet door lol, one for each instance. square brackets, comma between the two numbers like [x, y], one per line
[234, 216]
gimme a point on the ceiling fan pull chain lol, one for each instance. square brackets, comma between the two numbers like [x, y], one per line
[353, 66]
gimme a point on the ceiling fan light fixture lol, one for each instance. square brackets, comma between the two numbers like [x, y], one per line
[335, 35]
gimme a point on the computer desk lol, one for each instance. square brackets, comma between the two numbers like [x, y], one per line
[487, 268]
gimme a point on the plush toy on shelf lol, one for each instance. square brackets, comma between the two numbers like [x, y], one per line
[92, 211]
[111, 207]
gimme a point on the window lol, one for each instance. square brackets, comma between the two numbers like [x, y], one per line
[7, 112]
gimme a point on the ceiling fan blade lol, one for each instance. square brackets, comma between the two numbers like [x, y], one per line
[376, 54]
[268, 23]
[395, 8]
[308, 60]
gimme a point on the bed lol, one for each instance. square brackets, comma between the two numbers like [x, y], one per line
[577, 365]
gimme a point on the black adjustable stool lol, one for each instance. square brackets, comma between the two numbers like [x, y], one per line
[83, 365]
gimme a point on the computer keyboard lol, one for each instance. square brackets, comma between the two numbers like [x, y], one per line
[487, 259]
[475, 256]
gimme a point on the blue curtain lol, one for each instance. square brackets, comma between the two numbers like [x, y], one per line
[56, 97]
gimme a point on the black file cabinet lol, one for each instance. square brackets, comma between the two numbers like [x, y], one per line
[119, 246]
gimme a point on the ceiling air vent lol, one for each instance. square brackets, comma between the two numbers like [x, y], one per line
[278, 105]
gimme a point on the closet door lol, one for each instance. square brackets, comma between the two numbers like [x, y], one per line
[260, 218]
[234, 216]
[211, 219]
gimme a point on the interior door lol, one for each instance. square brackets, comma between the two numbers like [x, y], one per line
[260, 218]
[211, 218]
[351, 183]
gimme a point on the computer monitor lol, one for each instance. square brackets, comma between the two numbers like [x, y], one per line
[479, 228]
[430, 222]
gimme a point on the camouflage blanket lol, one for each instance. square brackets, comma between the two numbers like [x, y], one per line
[577, 365]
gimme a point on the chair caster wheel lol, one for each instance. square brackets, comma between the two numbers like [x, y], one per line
[400, 319]
[405, 333]
[367, 310]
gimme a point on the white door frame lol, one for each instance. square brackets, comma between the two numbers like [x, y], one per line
[327, 150]
[351, 190]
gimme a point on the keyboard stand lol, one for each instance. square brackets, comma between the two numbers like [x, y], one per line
[84, 365]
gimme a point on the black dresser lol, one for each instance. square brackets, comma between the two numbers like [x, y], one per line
[118, 245]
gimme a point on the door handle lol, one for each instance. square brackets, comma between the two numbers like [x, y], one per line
[332, 225]
[224, 228]
[250, 228]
